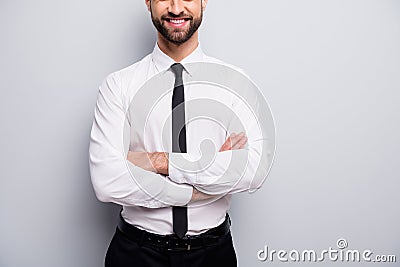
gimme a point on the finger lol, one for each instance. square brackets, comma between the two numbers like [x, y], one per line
[241, 138]
[227, 145]
[237, 139]
[241, 143]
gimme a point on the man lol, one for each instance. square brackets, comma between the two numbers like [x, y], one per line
[167, 219]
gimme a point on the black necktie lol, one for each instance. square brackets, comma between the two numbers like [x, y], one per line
[179, 214]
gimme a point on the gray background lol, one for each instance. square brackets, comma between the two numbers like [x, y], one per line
[330, 71]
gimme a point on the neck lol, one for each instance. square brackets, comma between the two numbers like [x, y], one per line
[178, 51]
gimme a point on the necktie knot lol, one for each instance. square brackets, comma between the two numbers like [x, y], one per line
[177, 69]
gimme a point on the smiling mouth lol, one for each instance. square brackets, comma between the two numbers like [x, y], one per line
[177, 22]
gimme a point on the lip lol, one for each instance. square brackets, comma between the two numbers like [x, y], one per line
[177, 22]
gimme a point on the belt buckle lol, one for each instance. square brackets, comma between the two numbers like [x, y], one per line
[186, 247]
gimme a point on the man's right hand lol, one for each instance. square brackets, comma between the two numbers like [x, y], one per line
[234, 141]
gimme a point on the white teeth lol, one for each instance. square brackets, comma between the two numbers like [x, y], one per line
[177, 21]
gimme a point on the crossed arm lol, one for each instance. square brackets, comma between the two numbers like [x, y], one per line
[138, 178]
[158, 162]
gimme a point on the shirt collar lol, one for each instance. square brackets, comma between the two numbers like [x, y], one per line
[163, 62]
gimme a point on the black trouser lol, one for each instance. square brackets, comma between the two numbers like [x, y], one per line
[124, 252]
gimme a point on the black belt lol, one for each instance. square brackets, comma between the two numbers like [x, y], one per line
[173, 242]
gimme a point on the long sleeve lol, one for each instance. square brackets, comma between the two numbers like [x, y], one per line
[231, 171]
[114, 178]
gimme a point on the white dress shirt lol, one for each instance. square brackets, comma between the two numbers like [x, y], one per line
[147, 197]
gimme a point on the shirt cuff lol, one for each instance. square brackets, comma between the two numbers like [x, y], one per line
[179, 197]
[179, 170]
